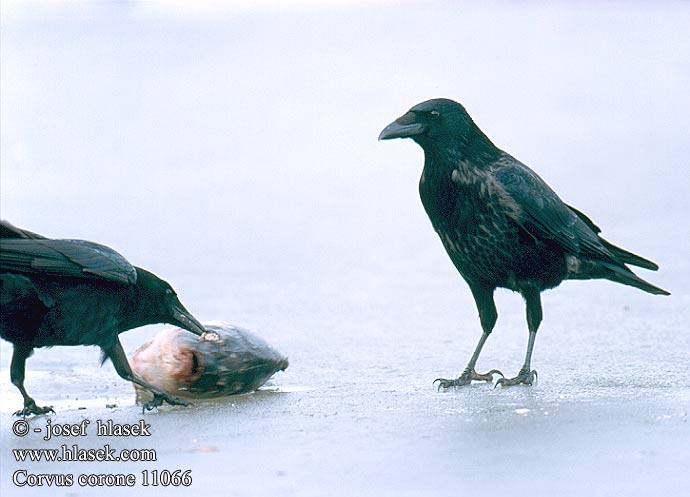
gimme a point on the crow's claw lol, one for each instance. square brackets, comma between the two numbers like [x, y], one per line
[524, 377]
[158, 400]
[444, 383]
[31, 408]
[466, 378]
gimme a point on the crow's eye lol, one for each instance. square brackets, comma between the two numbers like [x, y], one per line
[168, 291]
[434, 114]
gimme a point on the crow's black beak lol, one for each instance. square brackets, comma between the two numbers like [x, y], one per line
[183, 319]
[403, 127]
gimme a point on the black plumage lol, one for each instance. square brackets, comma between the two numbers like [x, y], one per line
[75, 292]
[502, 225]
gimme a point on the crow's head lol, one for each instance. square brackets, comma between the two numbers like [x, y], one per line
[439, 119]
[157, 302]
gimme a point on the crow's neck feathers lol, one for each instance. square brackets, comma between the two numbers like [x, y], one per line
[456, 168]
[140, 308]
[468, 155]
[447, 153]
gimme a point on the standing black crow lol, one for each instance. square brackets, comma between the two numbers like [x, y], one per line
[502, 225]
[74, 292]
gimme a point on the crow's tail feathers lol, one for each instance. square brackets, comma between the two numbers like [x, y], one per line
[625, 276]
[585, 269]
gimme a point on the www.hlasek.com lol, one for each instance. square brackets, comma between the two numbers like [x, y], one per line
[74, 453]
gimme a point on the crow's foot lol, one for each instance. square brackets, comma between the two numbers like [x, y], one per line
[466, 378]
[524, 377]
[158, 400]
[31, 408]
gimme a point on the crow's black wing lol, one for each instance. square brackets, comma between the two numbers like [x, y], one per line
[8, 230]
[544, 215]
[65, 258]
[620, 254]
[585, 219]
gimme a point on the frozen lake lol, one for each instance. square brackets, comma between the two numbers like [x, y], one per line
[233, 152]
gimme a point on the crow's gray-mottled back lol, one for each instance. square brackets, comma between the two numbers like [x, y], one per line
[74, 292]
[502, 225]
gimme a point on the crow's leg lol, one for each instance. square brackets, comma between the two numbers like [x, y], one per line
[119, 359]
[17, 371]
[534, 314]
[525, 376]
[469, 373]
[487, 316]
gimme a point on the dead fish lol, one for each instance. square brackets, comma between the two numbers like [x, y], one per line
[227, 360]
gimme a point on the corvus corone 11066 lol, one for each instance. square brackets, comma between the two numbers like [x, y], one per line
[74, 292]
[502, 225]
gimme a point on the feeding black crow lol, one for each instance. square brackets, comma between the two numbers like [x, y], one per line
[502, 225]
[74, 292]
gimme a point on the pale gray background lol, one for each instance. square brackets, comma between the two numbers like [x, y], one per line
[232, 150]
